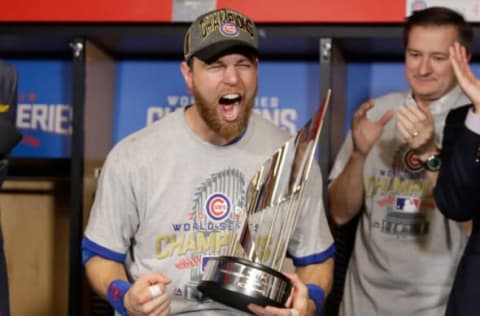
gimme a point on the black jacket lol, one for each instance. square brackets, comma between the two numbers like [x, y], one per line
[457, 194]
[9, 137]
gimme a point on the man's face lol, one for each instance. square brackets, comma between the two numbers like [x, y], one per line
[427, 67]
[224, 92]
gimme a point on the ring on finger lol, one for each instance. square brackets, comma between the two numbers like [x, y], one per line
[294, 312]
[415, 133]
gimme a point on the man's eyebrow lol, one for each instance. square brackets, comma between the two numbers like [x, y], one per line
[413, 50]
[440, 53]
[214, 62]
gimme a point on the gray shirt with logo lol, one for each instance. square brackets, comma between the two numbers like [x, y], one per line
[406, 252]
[171, 198]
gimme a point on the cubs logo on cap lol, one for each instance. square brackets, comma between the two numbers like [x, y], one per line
[220, 31]
[229, 29]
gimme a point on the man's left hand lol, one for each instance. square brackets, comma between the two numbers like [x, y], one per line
[416, 125]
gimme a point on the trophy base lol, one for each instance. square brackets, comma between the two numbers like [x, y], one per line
[237, 282]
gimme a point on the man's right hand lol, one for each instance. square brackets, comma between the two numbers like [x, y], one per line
[469, 83]
[139, 300]
[365, 132]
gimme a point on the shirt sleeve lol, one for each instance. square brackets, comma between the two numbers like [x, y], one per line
[114, 217]
[472, 121]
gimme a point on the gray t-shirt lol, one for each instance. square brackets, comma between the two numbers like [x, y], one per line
[171, 198]
[406, 252]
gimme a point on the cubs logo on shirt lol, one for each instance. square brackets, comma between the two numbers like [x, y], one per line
[412, 163]
[218, 207]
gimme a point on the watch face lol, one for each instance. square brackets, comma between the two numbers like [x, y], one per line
[433, 163]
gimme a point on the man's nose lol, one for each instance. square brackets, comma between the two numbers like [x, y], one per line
[425, 67]
[230, 75]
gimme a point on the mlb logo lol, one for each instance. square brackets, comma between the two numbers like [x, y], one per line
[407, 204]
[205, 261]
[218, 207]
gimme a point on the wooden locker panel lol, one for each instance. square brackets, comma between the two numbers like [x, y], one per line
[34, 217]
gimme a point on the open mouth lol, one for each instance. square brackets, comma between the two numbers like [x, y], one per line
[230, 99]
[230, 106]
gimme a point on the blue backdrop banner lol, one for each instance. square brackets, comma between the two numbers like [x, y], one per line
[44, 113]
[146, 91]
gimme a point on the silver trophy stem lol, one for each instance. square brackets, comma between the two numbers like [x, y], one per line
[283, 191]
[291, 214]
[281, 248]
[270, 230]
[243, 229]
[280, 241]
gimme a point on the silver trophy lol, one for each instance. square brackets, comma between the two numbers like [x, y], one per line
[249, 273]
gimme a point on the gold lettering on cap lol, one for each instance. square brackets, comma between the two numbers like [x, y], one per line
[186, 44]
[214, 21]
[230, 16]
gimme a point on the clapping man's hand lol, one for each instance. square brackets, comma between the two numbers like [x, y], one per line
[365, 132]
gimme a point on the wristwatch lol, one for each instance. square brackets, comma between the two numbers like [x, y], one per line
[433, 163]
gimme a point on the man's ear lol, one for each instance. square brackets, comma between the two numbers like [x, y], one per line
[187, 74]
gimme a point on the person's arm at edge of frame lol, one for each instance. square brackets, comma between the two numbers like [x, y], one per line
[457, 161]
[447, 188]
[448, 180]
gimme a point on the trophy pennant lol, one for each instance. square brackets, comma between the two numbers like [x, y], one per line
[280, 178]
[249, 273]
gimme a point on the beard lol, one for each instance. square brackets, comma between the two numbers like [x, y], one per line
[227, 130]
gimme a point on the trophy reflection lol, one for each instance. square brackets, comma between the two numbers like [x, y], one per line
[250, 272]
